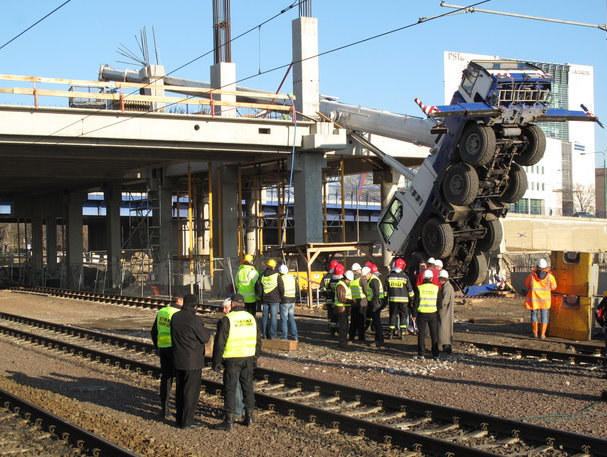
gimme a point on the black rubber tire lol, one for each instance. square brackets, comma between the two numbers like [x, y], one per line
[437, 238]
[535, 146]
[477, 145]
[517, 184]
[477, 271]
[460, 185]
[492, 239]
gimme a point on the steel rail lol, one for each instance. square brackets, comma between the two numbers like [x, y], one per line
[143, 302]
[83, 440]
[370, 429]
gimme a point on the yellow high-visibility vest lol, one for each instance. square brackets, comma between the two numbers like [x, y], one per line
[428, 294]
[348, 294]
[357, 291]
[242, 338]
[269, 282]
[163, 324]
[245, 282]
[370, 291]
[289, 283]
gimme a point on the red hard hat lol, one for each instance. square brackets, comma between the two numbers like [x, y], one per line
[369, 264]
[400, 263]
[374, 268]
[339, 269]
[332, 264]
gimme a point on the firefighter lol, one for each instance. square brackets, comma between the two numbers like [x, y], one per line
[375, 297]
[358, 311]
[267, 288]
[338, 274]
[246, 278]
[341, 306]
[539, 283]
[237, 345]
[161, 336]
[326, 279]
[427, 311]
[400, 295]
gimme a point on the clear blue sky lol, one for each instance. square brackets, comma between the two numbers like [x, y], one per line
[385, 73]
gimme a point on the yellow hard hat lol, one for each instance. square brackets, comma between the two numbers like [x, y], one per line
[247, 258]
[271, 263]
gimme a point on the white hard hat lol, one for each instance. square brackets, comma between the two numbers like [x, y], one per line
[438, 263]
[349, 275]
[542, 263]
[443, 274]
[428, 274]
[283, 269]
[431, 261]
[366, 271]
[355, 266]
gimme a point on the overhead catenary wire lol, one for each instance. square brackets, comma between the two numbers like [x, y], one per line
[34, 24]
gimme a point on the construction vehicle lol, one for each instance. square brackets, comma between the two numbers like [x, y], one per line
[479, 144]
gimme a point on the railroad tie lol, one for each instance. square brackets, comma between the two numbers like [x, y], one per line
[474, 434]
[412, 423]
[352, 404]
[364, 412]
[292, 391]
[394, 415]
[274, 386]
[444, 428]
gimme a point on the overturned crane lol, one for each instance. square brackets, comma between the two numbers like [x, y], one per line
[479, 144]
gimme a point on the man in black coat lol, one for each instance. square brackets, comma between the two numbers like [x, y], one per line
[188, 335]
[237, 346]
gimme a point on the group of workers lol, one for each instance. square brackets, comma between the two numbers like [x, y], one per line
[360, 295]
[180, 336]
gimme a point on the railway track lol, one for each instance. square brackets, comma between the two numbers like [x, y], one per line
[420, 428]
[27, 430]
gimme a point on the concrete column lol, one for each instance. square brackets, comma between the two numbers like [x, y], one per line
[228, 222]
[51, 244]
[223, 77]
[153, 75]
[251, 215]
[36, 250]
[166, 243]
[307, 179]
[388, 181]
[305, 67]
[74, 237]
[113, 198]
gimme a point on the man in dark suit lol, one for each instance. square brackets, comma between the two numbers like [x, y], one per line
[188, 335]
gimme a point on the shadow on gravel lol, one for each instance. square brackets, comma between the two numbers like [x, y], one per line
[116, 395]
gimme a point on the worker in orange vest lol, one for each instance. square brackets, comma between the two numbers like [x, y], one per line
[540, 283]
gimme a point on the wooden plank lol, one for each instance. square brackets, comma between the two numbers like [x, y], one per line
[279, 345]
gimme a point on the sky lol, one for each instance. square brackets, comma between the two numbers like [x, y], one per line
[385, 73]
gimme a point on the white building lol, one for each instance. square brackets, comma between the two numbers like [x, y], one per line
[569, 158]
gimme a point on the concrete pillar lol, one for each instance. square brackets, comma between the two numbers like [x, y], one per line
[251, 220]
[228, 221]
[113, 198]
[223, 77]
[51, 244]
[153, 75]
[305, 66]
[307, 180]
[388, 181]
[36, 250]
[74, 238]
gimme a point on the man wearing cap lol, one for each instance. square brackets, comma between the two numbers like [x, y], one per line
[375, 295]
[427, 312]
[267, 289]
[188, 336]
[446, 298]
[237, 346]
[399, 293]
[246, 277]
[288, 289]
[539, 283]
[338, 274]
[429, 266]
[161, 336]
[358, 310]
[341, 308]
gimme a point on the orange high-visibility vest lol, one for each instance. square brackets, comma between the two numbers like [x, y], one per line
[538, 295]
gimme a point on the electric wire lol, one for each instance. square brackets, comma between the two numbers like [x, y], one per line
[330, 51]
[34, 24]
